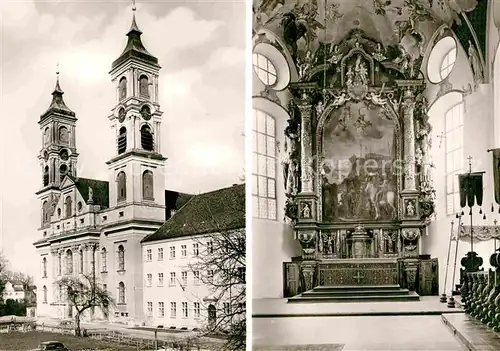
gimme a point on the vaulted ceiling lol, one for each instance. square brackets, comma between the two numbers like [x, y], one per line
[384, 21]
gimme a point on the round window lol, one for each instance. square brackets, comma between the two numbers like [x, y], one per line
[442, 60]
[264, 69]
[80, 206]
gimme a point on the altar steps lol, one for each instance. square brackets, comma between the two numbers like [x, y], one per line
[389, 293]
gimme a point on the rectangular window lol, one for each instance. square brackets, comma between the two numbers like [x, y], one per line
[196, 310]
[149, 279]
[184, 309]
[150, 308]
[161, 309]
[196, 250]
[160, 254]
[454, 156]
[160, 279]
[196, 278]
[149, 255]
[184, 278]
[183, 250]
[172, 278]
[264, 166]
[210, 247]
[172, 252]
[173, 309]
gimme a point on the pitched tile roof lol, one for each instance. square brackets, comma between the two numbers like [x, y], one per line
[215, 211]
[100, 190]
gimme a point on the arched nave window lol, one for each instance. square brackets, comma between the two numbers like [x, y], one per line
[121, 258]
[454, 139]
[44, 263]
[264, 165]
[44, 289]
[104, 260]
[121, 293]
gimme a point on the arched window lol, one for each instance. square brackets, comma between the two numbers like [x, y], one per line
[59, 264]
[454, 137]
[147, 138]
[46, 176]
[63, 135]
[44, 267]
[147, 185]
[104, 258]
[264, 166]
[63, 170]
[122, 140]
[121, 258]
[123, 88]
[44, 290]
[46, 136]
[81, 261]
[69, 262]
[264, 69]
[121, 186]
[144, 86]
[45, 212]
[68, 204]
[212, 315]
[121, 293]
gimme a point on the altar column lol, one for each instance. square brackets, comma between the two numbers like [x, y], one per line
[306, 179]
[409, 141]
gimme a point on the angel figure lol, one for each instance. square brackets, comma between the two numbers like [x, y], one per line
[377, 99]
[91, 194]
[350, 76]
[305, 64]
[320, 107]
[379, 53]
[335, 54]
[361, 70]
[340, 99]
[475, 63]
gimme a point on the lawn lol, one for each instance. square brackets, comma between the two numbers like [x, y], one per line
[31, 340]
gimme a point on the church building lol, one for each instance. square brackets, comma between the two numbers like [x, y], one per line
[96, 227]
[365, 113]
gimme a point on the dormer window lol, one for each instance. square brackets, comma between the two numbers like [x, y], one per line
[68, 203]
[144, 86]
[123, 88]
[147, 138]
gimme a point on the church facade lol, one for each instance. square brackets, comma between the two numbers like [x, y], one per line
[360, 116]
[95, 227]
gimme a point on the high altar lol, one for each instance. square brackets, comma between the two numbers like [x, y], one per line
[359, 195]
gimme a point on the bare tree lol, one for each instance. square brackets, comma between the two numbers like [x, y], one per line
[221, 265]
[84, 292]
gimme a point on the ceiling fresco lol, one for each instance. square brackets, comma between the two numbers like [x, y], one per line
[306, 24]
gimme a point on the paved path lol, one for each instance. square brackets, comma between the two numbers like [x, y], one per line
[384, 333]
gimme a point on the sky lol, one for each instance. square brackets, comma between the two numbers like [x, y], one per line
[200, 46]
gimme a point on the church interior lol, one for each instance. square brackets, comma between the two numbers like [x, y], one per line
[375, 171]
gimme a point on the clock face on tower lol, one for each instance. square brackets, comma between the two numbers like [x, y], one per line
[146, 113]
[121, 115]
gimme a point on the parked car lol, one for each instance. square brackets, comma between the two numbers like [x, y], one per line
[51, 346]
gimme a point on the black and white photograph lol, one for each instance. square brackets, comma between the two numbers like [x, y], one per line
[375, 206]
[122, 175]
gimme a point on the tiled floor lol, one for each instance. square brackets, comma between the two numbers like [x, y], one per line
[472, 332]
[280, 307]
[384, 333]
